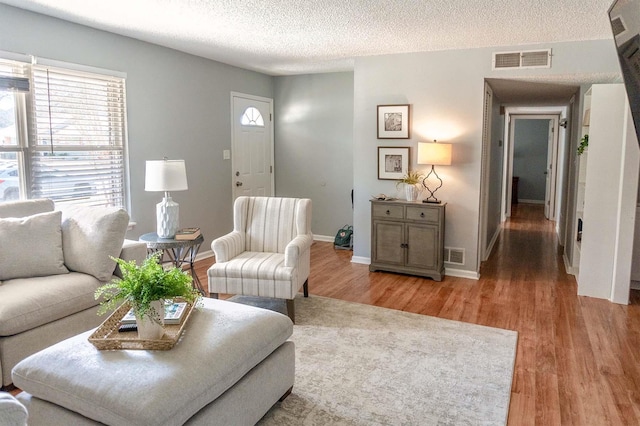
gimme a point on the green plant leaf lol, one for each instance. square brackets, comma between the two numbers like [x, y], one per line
[141, 285]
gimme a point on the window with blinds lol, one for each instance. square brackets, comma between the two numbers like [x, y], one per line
[77, 137]
[14, 86]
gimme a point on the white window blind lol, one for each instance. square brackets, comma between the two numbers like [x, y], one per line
[78, 137]
[14, 76]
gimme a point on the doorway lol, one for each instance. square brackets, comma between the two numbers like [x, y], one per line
[548, 148]
[533, 159]
[252, 151]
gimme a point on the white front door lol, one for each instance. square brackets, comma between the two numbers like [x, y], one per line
[252, 145]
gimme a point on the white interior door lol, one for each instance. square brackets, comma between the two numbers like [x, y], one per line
[550, 172]
[252, 145]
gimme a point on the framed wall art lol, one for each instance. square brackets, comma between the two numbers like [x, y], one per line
[393, 122]
[393, 162]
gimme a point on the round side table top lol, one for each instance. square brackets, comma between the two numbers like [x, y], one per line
[155, 242]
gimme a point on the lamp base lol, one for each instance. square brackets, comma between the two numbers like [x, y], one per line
[432, 201]
[167, 217]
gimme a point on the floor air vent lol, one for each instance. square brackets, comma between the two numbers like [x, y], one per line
[454, 255]
[524, 59]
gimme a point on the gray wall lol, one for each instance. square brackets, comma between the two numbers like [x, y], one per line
[314, 149]
[530, 140]
[445, 90]
[178, 106]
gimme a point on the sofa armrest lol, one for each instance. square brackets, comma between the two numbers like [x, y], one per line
[132, 250]
[296, 248]
[228, 246]
[12, 412]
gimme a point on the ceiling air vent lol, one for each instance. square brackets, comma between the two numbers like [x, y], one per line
[617, 26]
[524, 59]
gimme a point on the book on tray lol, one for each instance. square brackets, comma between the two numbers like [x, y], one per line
[173, 313]
[187, 234]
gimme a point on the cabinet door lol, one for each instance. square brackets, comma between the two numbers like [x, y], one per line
[422, 251]
[387, 242]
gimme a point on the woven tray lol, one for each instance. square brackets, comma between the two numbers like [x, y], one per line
[106, 337]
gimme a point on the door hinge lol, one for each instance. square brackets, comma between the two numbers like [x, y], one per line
[270, 117]
[270, 169]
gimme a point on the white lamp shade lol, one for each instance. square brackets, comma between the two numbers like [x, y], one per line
[165, 175]
[437, 154]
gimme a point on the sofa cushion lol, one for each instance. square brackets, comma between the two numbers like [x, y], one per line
[12, 412]
[90, 235]
[30, 302]
[222, 342]
[31, 246]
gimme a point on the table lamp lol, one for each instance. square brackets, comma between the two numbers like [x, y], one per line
[435, 154]
[166, 175]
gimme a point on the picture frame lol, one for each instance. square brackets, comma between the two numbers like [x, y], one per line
[394, 121]
[393, 162]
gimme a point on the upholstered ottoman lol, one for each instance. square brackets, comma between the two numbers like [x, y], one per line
[231, 365]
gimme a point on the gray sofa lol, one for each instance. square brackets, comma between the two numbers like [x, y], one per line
[51, 262]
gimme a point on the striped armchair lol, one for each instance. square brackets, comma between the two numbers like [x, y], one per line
[268, 252]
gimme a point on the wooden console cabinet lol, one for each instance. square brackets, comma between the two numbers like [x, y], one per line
[407, 237]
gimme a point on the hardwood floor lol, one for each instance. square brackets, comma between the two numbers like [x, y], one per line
[578, 358]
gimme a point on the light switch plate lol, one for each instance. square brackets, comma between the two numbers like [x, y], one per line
[226, 154]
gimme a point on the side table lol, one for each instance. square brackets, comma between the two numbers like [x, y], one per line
[179, 252]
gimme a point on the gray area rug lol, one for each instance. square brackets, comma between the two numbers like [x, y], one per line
[363, 365]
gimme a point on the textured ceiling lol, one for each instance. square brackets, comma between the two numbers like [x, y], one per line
[282, 37]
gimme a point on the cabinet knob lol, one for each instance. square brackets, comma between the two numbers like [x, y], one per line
[422, 214]
[404, 245]
[388, 212]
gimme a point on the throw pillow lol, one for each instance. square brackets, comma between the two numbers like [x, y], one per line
[31, 246]
[90, 235]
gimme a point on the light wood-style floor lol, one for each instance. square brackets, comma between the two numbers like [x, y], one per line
[578, 358]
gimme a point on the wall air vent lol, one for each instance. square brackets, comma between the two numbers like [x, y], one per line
[454, 255]
[523, 59]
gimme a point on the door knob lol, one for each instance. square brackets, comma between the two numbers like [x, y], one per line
[238, 183]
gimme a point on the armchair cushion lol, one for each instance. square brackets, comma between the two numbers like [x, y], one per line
[256, 273]
[35, 247]
[90, 235]
[269, 223]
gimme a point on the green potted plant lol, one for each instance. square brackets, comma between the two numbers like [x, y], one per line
[584, 143]
[146, 287]
[411, 180]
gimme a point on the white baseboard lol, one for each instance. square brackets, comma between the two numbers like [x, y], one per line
[492, 243]
[323, 238]
[459, 273]
[360, 259]
[567, 266]
[204, 255]
[635, 285]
